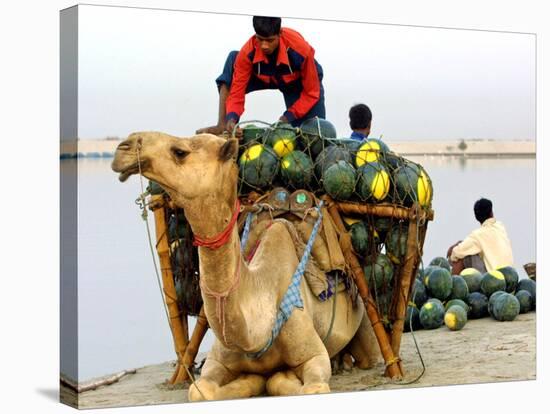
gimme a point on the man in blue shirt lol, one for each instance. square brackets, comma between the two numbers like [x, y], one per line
[360, 118]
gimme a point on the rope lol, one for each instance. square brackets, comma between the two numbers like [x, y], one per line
[223, 237]
[333, 310]
[193, 381]
[222, 297]
[145, 218]
[246, 231]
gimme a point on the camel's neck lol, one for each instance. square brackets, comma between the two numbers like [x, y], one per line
[228, 287]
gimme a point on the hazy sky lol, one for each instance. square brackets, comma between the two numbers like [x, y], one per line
[155, 70]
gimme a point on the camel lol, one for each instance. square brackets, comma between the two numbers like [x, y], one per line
[241, 299]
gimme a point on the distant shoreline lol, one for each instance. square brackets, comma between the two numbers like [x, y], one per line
[475, 148]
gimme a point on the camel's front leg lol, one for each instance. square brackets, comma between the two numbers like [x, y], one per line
[315, 374]
[218, 383]
[305, 352]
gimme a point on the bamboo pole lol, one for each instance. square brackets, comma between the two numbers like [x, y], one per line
[178, 325]
[392, 366]
[405, 282]
[382, 210]
[193, 347]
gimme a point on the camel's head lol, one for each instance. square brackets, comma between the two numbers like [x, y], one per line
[200, 168]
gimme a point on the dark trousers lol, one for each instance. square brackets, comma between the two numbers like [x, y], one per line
[291, 92]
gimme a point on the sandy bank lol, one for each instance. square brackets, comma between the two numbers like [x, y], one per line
[493, 351]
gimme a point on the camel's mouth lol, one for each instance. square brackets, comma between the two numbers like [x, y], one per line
[132, 169]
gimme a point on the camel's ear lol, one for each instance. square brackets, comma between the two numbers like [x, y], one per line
[229, 150]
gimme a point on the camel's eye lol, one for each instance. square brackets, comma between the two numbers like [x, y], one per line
[179, 153]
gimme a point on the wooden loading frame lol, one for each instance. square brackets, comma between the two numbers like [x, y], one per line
[389, 342]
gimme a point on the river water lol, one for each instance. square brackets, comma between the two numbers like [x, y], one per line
[121, 321]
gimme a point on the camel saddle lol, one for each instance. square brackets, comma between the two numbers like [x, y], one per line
[298, 209]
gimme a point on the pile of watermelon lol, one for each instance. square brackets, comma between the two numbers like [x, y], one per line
[441, 298]
[313, 158]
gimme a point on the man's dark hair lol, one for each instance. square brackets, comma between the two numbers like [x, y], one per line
[483, 209]
[360, 116]
[266, 26]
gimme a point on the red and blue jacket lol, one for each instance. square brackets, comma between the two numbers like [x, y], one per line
[295, 62]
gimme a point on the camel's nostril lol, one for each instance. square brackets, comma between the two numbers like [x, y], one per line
[124, 146]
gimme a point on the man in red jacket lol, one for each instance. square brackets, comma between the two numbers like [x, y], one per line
[274, 58]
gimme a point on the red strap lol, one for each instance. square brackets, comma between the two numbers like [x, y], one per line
[223, 237]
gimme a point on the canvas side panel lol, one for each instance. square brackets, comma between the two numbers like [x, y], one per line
[68, 205]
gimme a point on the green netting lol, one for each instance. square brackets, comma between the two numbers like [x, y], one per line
[311, 157]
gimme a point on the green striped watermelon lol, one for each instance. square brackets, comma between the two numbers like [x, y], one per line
[506, 307]
[432, 314]
[478, 305]
[455, 318]
[491, 282]
[525, 301]
[511, 276]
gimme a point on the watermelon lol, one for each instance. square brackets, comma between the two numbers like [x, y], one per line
[511, 277]
[382, 226]
[457, 302]
[374, 182]
[396, 243]
[258, 166]
[440, 283]
[491, 282]
[506, 307]
[432, 314]
[392, 161]
[419, 295]
[296, 169]
[460, 289]
[473, 279]
[282, 139]
[370, 151]
[380, 270]
[361, 239]
[383, 301]
[177, 226]
[426, 272]
[339, 180]
[525, 301]
[531, 287]
[441, 262]
[180, 256]
[478, 305]
[252, 133]
[455, 318]
[312, 132]
[413, 185]
[412, 319]
[329, 156]
[352, 145]
[492, 299]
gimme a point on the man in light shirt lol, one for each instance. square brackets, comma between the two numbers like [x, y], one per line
[485, 248]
